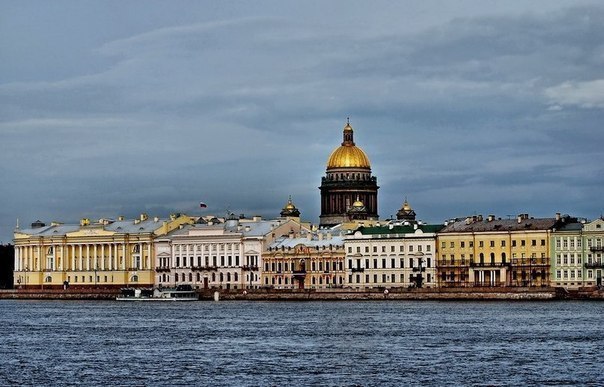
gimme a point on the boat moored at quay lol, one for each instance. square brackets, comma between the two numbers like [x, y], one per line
[180, 293]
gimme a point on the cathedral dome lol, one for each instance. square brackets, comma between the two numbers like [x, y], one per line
[348, 155]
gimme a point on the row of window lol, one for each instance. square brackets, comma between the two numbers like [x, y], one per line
[385, 278]
[314, 266]
[207, 247]
[503, 243]
[572, 274]
[383, 249]
[197, 277]
[390, 263]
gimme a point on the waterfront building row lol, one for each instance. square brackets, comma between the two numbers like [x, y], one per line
[283, 253]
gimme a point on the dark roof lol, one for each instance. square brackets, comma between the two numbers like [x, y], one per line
[525, 224]
[427, 228]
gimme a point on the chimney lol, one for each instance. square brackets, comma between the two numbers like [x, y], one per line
[156, 219]
[144, 217]
[490, 218]
[120, 218]
[257, 218]
[558, 216]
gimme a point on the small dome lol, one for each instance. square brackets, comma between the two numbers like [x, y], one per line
[290, 209]
[358, 204]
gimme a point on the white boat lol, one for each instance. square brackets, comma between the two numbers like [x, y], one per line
[180, 293]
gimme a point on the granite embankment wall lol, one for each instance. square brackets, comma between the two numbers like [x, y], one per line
[60, 294]
[395, 294]
[536, 294]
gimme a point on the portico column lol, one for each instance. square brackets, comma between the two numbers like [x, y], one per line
[149, 267]
[125, 256]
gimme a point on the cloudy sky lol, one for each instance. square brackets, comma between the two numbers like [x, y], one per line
[464, 107]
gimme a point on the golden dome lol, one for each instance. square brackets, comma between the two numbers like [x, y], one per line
[348, 155]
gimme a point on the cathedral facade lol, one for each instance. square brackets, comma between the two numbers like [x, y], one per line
[348, 190]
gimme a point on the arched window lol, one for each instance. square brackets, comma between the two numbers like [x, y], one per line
[198, 277]
[190, 277]
[481, 258]
[236, 277]
[48, 279]
[221, 277]
[228, 277]
[320, 280]
[314, 280]
[213, 277]
[503, 258]
[134, 278]
[492, 258]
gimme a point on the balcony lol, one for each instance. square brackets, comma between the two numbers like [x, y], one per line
[530, 262]
[594, 265]
[249, 268]
[596, 248]
[299, 274]
[358, 269]
[489, 264]
[161, 269]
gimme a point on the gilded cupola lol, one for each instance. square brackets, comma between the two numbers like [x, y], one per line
[348, 155]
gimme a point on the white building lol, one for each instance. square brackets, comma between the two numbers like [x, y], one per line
[224, 256]
[391, 256]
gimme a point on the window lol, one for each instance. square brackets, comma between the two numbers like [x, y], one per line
[366, 249]
[514, 243]
[349, 250]
[480, 243]
[411, 248]
[392, 249]
[393, 263]
[492, 243]
[428, 248]
[359, 249]
[463, 244]
[523, 243]
[383, 249]
[502, 243]
[452, 244]
[375, 249]
[534, 242]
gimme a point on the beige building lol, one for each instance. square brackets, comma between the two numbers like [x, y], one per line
[310, 260]
[107, 253]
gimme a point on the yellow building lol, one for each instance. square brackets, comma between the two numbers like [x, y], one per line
[106, 253]
[495, 252]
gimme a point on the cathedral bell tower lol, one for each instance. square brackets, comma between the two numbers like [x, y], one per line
[347, 182]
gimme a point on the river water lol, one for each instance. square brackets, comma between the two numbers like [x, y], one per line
[376, 343]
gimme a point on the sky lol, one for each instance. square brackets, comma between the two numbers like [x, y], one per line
[112, 108]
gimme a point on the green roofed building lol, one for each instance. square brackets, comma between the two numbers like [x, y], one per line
[400, 254]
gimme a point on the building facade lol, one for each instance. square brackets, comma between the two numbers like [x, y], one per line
[348, 190]
[399, 255]
[593, 243]
[495, 252]
[106, 253]
[218, 256]
[311, 260]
